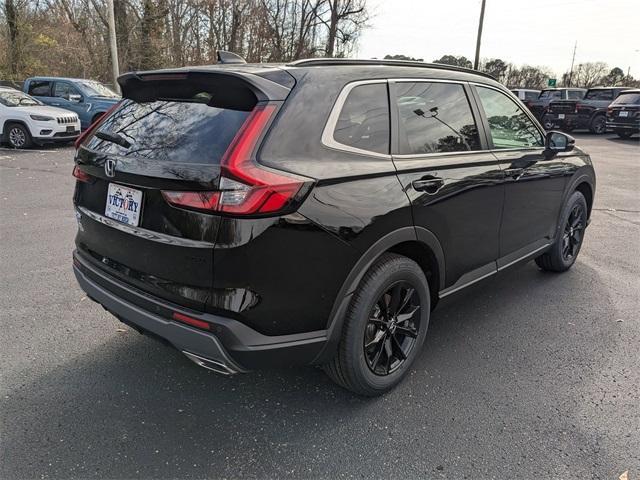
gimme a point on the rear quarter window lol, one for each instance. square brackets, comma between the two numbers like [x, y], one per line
[363, 122]
[170, 131]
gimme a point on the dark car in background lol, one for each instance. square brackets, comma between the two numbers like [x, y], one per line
[316, 212]
[623, 115]
[539, 105]
[588, 113]
[87, 98]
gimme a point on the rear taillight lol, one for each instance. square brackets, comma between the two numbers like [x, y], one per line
[578, 107]
[82, 176]
[93, 126]
[246, 188]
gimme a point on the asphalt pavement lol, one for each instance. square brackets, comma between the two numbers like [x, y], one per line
[529, 375]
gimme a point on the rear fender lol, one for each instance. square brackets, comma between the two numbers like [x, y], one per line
[338, 313]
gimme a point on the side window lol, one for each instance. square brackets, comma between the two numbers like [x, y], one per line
[531, 95]
[40, 88]
[364, 120]
[574, 95]
[510, 127]
[63, 90]
[435, 117]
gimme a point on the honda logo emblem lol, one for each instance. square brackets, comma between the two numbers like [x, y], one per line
[110, 167]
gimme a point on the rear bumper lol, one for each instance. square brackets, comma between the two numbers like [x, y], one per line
[635, 126]
[230, 347]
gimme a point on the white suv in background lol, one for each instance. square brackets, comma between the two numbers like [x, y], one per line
[25, 121]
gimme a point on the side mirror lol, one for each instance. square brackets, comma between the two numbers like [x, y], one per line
[558, 142]
[74, 97]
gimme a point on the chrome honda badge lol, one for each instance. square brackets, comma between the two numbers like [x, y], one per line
[110, 167]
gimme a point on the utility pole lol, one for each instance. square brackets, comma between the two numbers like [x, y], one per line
[572, 61]
[477, 59]
[113, 45]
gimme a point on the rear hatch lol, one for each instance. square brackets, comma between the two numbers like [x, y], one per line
[149, 174]
[625, 109]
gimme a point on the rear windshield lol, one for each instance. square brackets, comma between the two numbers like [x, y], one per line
[627, 99]
[599, 95]
[168, 131]
[550, 94]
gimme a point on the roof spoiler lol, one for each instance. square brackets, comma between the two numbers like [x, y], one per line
[229, 57]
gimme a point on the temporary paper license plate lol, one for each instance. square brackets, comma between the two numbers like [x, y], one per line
[561, 116]
[123, 204]
[623, 114]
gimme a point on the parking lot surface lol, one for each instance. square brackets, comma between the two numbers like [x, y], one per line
[529, 375]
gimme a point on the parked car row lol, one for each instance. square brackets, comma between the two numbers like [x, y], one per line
[51, 110]
[597, 109]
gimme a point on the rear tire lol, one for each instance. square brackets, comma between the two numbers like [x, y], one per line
[384, 328]
[598, 125]
[563, 253]
[18, 136]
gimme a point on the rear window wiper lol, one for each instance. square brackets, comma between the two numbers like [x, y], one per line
[113, 138]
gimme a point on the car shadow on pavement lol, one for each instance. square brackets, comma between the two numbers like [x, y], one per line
[496, 366]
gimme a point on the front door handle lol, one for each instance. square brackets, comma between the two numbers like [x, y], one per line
[513, 172]
[428, 184]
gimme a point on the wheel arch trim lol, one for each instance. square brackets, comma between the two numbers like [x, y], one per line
[341, 303]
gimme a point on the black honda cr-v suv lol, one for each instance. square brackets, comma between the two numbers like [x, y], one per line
[315, 212]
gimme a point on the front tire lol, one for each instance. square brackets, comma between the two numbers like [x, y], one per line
[18, 136]
[563, 253]
[384, 328]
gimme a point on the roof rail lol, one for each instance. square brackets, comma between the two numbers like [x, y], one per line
[316, 62]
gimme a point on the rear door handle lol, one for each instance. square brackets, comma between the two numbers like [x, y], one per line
[513, 172]
[428, 184]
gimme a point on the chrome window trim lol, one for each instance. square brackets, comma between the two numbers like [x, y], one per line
[327, 134]
[329, 141]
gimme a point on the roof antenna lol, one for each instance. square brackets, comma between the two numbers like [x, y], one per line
[229, 57]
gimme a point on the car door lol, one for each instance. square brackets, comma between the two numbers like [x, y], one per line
[453, 182]
[534, 184]
[62, 92]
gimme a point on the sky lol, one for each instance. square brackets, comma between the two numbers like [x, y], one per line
[533, 32]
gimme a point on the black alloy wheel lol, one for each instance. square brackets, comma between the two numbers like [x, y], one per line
[573, 232]
[392, 329]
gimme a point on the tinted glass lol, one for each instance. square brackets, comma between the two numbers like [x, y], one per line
[364, 120]
[550, 94]
[627, 99]
[575, 95]
[41, 88]
[435, 117]
[599, 95]
[510, 127]
[180, 132]
[531, 95]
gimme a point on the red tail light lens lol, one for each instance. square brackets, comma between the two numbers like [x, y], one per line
[194, 322]
[82, 176]
[246, 188]
[93, 126]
